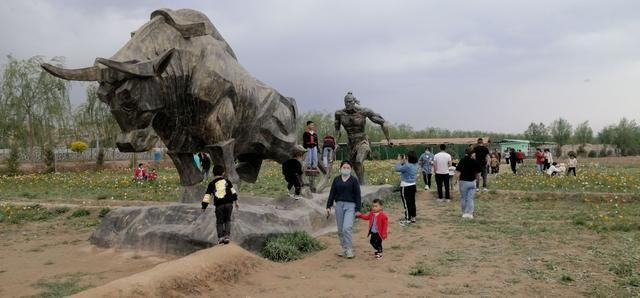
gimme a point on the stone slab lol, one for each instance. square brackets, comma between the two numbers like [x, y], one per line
[181, 229]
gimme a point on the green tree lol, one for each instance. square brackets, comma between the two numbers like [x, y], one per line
[94, 120]
[627, 134]
[537, 133]
[560, 131]
[34, 104]
[583, 133]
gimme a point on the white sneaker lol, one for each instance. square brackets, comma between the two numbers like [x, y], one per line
[426, 187]
[467, 215]
[485, 189]
[291, 195]
[297, 197]
[440, 200]
[342, 252]
[477, 189]
[470, 216]
[349, 253]
[448, 200]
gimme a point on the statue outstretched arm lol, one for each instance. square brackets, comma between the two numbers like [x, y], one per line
[377, 119]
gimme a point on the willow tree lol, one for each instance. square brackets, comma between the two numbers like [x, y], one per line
[93, 118]
[35, 104]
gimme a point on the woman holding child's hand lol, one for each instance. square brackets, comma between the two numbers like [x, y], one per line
[345, 192]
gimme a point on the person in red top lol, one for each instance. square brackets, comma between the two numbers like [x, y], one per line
[153, 175]
[140, 174]
[310, 142]
[520, 156]
[539, 161]
[378, 226]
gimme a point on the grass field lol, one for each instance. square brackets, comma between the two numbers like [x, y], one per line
[533, 235]
[602, 176]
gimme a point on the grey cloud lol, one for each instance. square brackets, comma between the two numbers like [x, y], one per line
[490, 65]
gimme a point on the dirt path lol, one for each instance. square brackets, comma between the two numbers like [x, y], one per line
[54, 252]
[454, 263]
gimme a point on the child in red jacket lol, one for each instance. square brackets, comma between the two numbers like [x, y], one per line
[378, 225]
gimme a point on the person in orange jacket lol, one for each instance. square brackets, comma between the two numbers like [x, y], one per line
[378, 226]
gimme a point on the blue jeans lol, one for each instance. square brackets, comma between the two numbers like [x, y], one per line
[345, 214]
[312, 157]
[327, 156]
[467, 193]
[539, 168]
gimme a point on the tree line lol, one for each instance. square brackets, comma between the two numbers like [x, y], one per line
[35, 111]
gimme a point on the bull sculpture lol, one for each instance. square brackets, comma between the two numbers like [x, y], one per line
[179, 80]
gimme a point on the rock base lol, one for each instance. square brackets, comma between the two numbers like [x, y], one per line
[181, 229]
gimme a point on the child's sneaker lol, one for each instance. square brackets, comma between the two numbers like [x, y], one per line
[342, 252]
[227, 240]
[221, 240]
[378, 255]
[413, 220]
[404, 222]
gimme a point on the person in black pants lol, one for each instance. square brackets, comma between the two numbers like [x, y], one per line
[441, 164]
[205, 161]
[481, 157]
[292, 171]
[513, 158]
[221, 193]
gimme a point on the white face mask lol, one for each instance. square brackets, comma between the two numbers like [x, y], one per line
[345, 172]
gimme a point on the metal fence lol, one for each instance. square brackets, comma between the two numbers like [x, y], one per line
[63, 154]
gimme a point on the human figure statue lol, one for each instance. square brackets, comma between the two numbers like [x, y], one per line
[354, 118]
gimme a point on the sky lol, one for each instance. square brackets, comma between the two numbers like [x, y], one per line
[487, 65]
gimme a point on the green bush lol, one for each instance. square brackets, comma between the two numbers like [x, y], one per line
[61, 210]
[80, 213]
[593, 153]
[290, 246]
[602, 153]
[421, 269]
[13, 162]
[49, 160]
[103, 212]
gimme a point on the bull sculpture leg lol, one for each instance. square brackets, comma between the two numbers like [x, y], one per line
[189, 174]
[222, 154]
[190, 177]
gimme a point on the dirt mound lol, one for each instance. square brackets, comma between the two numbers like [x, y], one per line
[206, 271]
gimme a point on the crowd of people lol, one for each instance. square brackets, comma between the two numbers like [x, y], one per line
[345, 194]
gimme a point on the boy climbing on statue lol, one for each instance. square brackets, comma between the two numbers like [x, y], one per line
[221, 193]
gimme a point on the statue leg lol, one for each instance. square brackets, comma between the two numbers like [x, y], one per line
[222, 154]
[190, 177]
[189, 174]
[361, 155]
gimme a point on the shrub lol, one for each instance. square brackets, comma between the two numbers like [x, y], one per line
[49, 160]
[602, 153]
[13, 162]
[290, 246]
[78, 146]
[103, 212]
[61, 210]
[421, 269]
[593, 153]
[80, 213]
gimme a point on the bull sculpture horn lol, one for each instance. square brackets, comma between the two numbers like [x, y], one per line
[144, 69]
[80, 74]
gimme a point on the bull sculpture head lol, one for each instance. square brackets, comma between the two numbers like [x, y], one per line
[132, 91]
